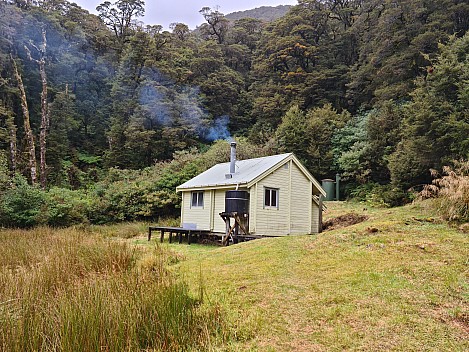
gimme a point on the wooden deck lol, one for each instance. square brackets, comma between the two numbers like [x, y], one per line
[181, 234]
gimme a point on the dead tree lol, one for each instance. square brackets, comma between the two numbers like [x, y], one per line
[41, 61]
[12, 134]
[27, 124]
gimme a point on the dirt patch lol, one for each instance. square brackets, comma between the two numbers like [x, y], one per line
[464, 228]
[343, 221]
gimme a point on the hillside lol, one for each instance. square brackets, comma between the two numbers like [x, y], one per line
[90, 96]
[397, 281]
[263, 13]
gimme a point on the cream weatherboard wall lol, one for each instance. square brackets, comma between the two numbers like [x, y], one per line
[294, 214]
[273, 221]
[301, 195]
[252, 208]
[196, 215]
[208, 217]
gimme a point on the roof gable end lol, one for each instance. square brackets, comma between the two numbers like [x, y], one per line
[295, 160]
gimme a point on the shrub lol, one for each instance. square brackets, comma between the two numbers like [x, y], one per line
[391, 196]
[23, 205]
[66, 207]
[451, 192]
[359, 192]
[381, 195]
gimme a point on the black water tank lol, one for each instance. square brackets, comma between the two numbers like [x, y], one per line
[237, 201]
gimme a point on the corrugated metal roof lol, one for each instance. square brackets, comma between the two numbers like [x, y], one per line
[246, 171]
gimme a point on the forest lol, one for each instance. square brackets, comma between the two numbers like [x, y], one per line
[102, 116]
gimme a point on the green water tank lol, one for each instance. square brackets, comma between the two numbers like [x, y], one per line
[329, 186]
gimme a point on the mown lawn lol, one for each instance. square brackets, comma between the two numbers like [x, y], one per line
[398, 281]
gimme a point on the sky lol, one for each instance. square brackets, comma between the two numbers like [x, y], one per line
[165, 12]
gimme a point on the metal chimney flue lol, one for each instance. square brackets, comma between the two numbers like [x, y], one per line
[233, 158]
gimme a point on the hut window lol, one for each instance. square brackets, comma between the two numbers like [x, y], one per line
[271, 198]
[197, 200]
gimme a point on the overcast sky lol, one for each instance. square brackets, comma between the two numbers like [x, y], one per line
[165, 12]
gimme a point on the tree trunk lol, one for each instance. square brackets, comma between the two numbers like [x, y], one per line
[12, 132]
[27, 124]
[44, 105]
[44, 111]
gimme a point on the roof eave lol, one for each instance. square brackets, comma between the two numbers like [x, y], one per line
[214, 186]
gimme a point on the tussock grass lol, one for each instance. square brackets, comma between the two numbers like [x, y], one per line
[127, 230]
[123, 230]
[70, 290]
[451, 192]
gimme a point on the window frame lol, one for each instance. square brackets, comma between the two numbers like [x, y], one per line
[270, 190]
[199, 200]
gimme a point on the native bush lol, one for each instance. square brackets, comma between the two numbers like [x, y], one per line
[126, 195]
[378, 195]
[390, 196]
[23, 205]
[122, 195]
[4, 172]
[66, 207]
[145, 196]
[451, 192]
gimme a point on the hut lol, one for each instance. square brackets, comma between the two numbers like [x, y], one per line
[276, 196]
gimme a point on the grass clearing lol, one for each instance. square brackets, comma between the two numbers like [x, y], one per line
[401, 288]
[398, 281]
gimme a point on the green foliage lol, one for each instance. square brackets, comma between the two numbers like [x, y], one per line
[217, 25]
[377, 195]
[89, 159]
[62, 133]
[309, 135]
[264, 13]
[118, 16]
[124, 195]
[363, 146]
[384, 133]
[294, 133]
[130, 200]
[66, 207]
[23, 205]
[435, 127]
[411, 162]
[4, 173]
[351, 147]
[129, 97]
[324, 122]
